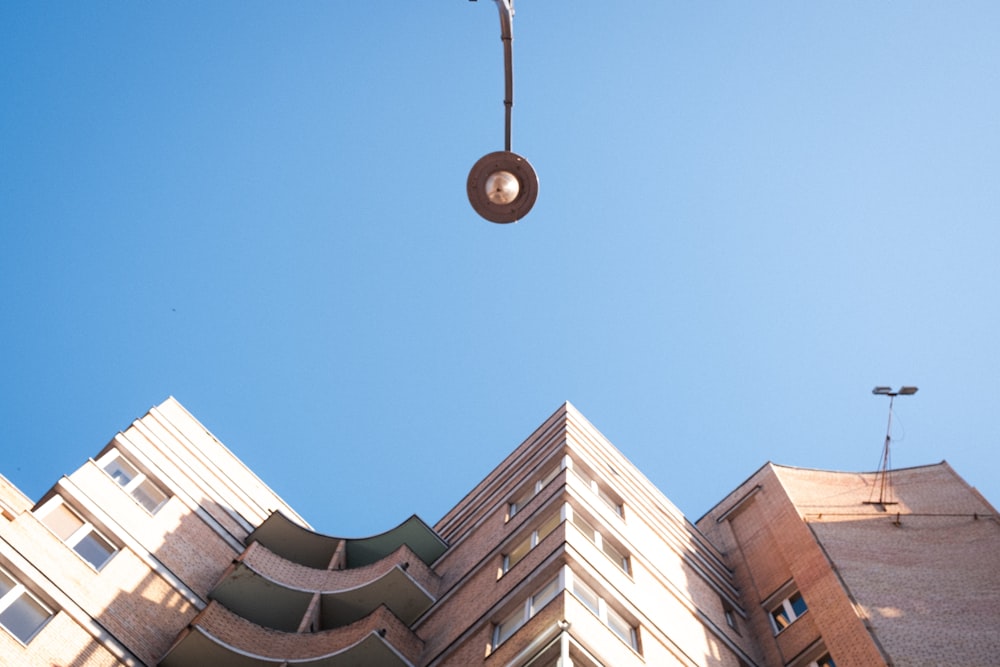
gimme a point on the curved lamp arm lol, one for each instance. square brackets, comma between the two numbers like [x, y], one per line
[502, 186]
[506, 8]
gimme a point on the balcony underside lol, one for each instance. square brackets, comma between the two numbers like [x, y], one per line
[273, 604]
[306, 547]
[221, 638]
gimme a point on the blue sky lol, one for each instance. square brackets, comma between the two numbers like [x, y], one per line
[749, 215]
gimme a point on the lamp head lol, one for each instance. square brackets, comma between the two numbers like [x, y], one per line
[502, 187]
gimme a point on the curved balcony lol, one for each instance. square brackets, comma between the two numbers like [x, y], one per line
[306, 547]
[220, 638]
[273, 592]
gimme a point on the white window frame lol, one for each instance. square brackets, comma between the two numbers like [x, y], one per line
[514, 621]
[11, 597]
[136, 483]
[516, 505]
[79, 534]
[532, 540]
[730, 615]
[609, 498]
[611, 550]
[786, 608]
[614, 621]
[565, 580]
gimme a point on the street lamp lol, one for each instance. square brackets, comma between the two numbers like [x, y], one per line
[882, 480]
[502, 186]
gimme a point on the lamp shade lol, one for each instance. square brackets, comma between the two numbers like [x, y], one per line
[502, 187]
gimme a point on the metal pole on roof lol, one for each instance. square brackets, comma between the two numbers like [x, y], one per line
[883, 479]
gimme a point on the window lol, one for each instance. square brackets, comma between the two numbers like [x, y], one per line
[602, 543]
[621, 627]
[825, 661]
[513, 622]
[615, 621]
[601, 492]
[785, 613]
[730, 614]
[522, 548]
[565, 580]
[78, 534]
[518, 503]
[505, 628]
[20, 613]
[590, 599]
[134, 482]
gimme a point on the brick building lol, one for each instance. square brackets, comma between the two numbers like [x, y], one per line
[166, 550]
[912, 580]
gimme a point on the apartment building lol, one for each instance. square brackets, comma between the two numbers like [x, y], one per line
[903, 570]
[166, 550]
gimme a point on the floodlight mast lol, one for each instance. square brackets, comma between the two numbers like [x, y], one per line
[882, 480]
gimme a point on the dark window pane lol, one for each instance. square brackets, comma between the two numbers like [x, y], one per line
[6, 584]
[23, 617]
[121, 471]
[94, 549]
[798, 604]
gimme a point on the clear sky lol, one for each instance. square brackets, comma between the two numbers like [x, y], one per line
[749, 215]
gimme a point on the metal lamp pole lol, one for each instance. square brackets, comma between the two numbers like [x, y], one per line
[503, 186]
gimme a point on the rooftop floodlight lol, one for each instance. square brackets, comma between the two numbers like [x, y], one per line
[503, 186]
[888, 391]
[883, 479]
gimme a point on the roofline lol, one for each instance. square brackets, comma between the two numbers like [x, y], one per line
[772, 464]
[858, 472]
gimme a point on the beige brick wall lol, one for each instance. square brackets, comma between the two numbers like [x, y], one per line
[175, 536]
[60, 643]
[930, 586]
[136, 605]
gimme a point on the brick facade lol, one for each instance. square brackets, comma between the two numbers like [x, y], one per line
[564, 552]
[909, 582]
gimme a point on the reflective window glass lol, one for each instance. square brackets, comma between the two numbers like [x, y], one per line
[20, 613]
[23, 617]
[121, 470]
[542, 597]
[94, 549]
[585, 595]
